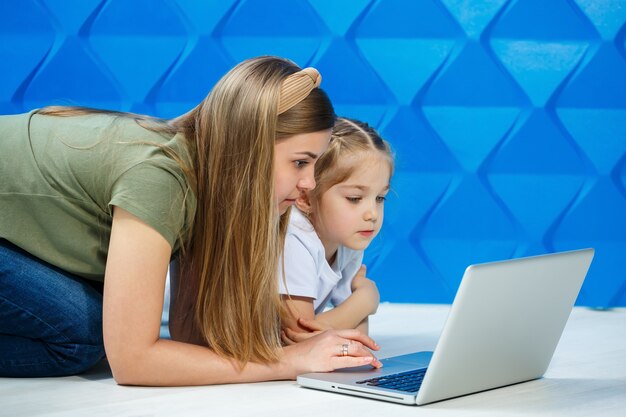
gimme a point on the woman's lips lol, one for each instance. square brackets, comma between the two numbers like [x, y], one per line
[366, 233]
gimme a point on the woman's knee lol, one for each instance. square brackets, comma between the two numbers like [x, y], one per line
[74, 358]
[50, 320]
[24, 357]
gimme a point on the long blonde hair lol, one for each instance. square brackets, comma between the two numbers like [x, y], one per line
[228, 271]
[224, 288]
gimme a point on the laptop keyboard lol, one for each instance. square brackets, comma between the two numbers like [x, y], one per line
[405, 381]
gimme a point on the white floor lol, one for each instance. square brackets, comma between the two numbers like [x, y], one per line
[587, 377]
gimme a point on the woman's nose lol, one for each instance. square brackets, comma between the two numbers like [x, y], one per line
[307, 182]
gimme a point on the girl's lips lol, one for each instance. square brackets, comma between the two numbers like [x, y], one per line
[366, 233]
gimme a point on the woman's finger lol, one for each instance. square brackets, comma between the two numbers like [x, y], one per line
[357, 336]
[356, 349]
[346, 348]
[351, 361]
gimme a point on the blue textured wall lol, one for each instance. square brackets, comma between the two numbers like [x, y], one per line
[508, 117]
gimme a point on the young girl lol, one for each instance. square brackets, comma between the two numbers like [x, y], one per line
[328, 231]
[91, 197]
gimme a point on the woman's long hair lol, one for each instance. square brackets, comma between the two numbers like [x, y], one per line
[227, 275]
[224, 286]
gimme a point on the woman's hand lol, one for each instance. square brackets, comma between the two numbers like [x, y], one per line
[330, 350]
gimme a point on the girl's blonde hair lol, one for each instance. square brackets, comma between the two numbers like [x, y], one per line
[225, 290]
[349, 137]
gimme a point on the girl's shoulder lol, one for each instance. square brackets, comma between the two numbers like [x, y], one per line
[301, 230]
[299, 223]
[349, 259]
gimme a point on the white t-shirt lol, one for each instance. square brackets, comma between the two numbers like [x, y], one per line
[307, 272]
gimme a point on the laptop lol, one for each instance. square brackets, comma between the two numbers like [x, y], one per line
[504, 325]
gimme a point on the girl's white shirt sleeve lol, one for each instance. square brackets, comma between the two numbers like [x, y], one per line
[348, 262]
[300, 268]
[308, 274]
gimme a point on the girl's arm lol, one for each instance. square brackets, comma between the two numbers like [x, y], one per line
[297, 308]
[355, 309]
[363, 327]
[133, 299]
[350, 314]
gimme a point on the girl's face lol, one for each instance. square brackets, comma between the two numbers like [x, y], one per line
[351, 213]
[294, 162]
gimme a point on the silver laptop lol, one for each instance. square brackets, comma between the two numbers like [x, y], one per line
[503, 327]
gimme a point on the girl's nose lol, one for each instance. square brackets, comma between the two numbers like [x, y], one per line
[371, 214]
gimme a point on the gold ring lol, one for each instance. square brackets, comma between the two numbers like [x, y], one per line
[344, 349]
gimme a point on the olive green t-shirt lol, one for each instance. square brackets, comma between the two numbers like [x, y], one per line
[61, 176]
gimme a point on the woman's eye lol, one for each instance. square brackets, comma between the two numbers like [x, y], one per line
[381, 199]
[301, 163]
[353, 199]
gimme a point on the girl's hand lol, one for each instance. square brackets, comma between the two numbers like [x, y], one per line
[314, 325]
[360, 278]
[311, 327]
[367, 289]
[324, 352]
[360, 281]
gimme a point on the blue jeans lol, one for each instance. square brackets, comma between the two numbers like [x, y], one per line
[50, 321]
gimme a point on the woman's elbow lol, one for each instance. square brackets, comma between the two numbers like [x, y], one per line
[125, 363]
[124, 371]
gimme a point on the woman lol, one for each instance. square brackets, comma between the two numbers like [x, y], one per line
[90, 196]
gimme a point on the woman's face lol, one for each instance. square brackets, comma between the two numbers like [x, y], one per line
[294, 163]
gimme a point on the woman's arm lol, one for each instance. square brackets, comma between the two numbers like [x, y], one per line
[133, 299]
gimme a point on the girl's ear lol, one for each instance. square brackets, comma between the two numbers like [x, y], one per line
[303, 203]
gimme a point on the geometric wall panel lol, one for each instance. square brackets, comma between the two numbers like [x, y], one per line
[469, 222]
[124, 38]
[293, 28]
[27, 37]
[597, 219]
[471, 133]
[534, 185]
[507, 117]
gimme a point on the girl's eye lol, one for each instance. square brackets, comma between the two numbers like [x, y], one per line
[301, 163]
[381, 199]
[353, 200]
